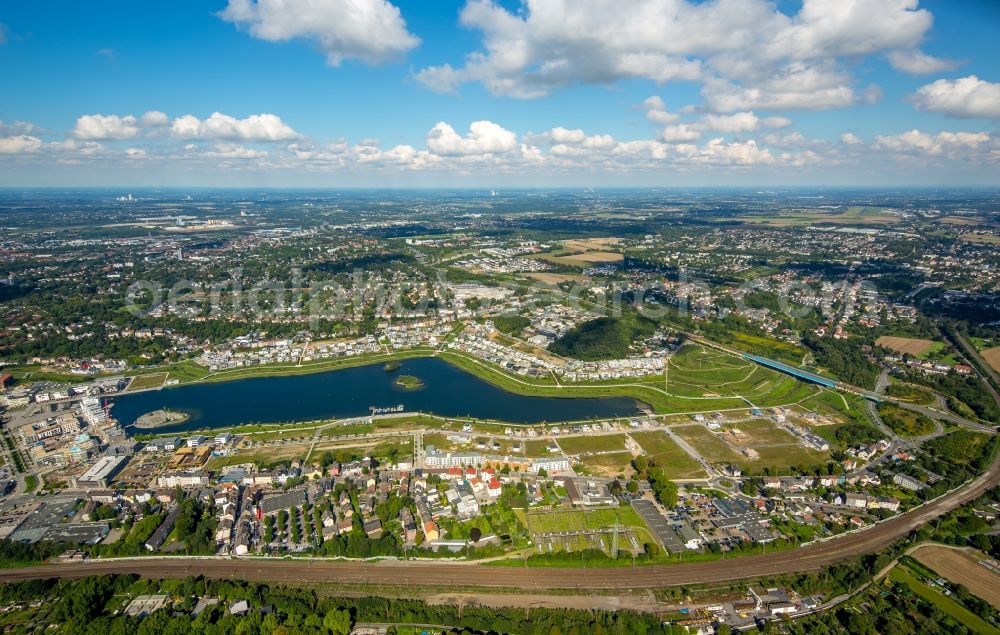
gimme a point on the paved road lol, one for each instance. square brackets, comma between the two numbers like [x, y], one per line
[413, 573]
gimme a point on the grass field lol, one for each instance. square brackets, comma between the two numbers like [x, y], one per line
[778, 451]
[902, 574]
[675, 462]
[583, 444]
[911, 392]
[580, 520]
[608, 465]
[854, 215]
[709, 445]
[905, 422]
[143, 382]
[981, 239]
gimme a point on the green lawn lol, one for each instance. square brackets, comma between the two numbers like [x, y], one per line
[143, 382]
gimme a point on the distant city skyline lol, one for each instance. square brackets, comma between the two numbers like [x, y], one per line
[503, 94]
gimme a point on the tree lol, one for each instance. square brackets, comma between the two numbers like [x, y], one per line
[632, 487]
[338, 622]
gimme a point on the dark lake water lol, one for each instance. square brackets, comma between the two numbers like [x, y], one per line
[447, 391]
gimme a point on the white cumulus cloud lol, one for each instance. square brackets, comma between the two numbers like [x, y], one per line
[678, 133]
[916, 141]
[18, 144]
[217, 126]
[967, 97]
[372, 31]
[543, 45]
[106, 127]
[742, 122]
[916, 62]
[485, 137]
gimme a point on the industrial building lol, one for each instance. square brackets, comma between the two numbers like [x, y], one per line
[101, 473]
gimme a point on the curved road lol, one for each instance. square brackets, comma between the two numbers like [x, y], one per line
[810, 557]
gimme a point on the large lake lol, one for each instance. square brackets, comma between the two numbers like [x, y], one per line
[447, 391]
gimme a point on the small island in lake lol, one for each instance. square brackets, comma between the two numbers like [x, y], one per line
[391, 366]
[409, 382]
[159, 418]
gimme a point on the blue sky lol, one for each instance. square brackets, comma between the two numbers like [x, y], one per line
[743, 92]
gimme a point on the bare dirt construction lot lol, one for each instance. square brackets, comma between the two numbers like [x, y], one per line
[992, 357]
[909, 345]
[961, 567]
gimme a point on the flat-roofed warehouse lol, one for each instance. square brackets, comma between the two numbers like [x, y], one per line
[271, 504]
[101, 473]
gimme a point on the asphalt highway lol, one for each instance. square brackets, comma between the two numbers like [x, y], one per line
[422, 573]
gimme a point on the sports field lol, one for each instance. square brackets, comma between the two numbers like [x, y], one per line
[908, 345]
[675, 462]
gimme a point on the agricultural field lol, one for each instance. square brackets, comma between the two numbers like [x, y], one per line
[981, 239]
[964, 568]
[145, 382]
[675, 462]
[556, 278]
[587, 444]
[584, 252]
[854, 215]
[909, 345]
[918, 583]
[992, 357]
